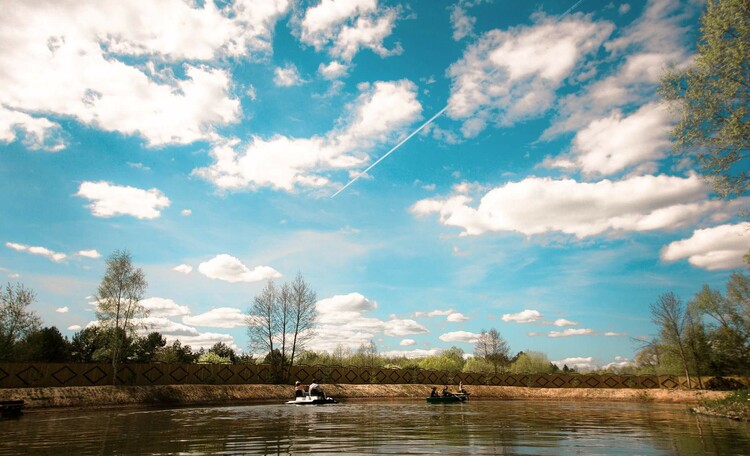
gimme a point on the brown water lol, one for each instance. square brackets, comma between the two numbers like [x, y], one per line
[370, 427]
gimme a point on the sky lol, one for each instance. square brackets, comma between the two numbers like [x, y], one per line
[208, 138]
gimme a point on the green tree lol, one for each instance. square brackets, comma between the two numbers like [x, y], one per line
[118, 303]
[712, 97]
[44, 345]
[16, 319]
[531, 362]
[175, 353]
[224, 351]
[86, 343]
[213, 358]
[146, 347]
[492, 348]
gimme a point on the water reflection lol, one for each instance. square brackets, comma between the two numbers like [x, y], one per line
[369, 427]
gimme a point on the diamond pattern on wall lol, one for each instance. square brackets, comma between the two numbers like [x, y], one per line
[153, 374]
[95, 375]
[30, 375]
[64, 375]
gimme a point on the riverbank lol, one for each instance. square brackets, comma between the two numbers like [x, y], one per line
[110, 396]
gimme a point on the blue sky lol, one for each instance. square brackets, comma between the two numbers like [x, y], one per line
[207, 138]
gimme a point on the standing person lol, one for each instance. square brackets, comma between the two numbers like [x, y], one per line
[299, 390]
[461, 388]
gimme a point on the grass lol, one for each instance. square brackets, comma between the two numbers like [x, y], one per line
[736, 406]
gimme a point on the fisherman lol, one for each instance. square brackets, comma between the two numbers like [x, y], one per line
[461, 388]
[445, 391]
[299, 390]
[434, 392]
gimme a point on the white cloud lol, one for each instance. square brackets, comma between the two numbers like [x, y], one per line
[74, 328]
[352, 302]
[542, 205]
[333, 70]
[613, 144]
[38, 133]
[109, 200]
[507, 76]
[657, 40]
[433, 313]
[524, 316]
[407, 342]
[561, 322]
[457, 317]
[36, 250]
[183, 268]
[615, 334]
[167, 327]
[579, 363]
[222, 317]
[411, 354]
[572, 332]
[109, 65]
[230, 269]
[287, 76]
[285, 163]
[459, 336]
[62, 309]
[397, 327]
[89, 254]
[186, 212]
[203, 340]
[347, 26]
[163, 307]
[720, 247]
[462, 23]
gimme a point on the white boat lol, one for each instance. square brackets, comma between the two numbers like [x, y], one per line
[312, 400]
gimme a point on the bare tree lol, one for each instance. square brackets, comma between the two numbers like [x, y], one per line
[261, 319]
[668, 313]
[493, 348]
[118, 303]
[16, 321]
[303, 313]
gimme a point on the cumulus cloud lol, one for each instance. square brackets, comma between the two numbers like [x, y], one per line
[456, 317]
[407, 342]
[287, 76]
[572, 332]
[230, 269]
[617, 143]
[168, 327]
[163, 307]
[89, 254]
[615, 334]
[183, 268]
[507, 76]
[110, 65]
[186, 212]
[74, 328]
[280, 162]
[37, 250]
[411, 354]
[203, 340]
[657, 40]
[459, 336]
[333, 70]
[109, 200]
[542, 205]
[344, 27]
[62, 309]
[36, 133]
[222, 317]
[524, 316]
[342, 321]
[720, 247]
[579, 363]
[433, 313]
[563, 322]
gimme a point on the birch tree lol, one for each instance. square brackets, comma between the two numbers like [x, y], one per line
[668, 313]
[16, 320]
[118, 303]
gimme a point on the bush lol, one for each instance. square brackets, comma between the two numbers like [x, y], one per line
[724, 384]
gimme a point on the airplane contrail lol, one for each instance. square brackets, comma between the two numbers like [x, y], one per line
[362, 173]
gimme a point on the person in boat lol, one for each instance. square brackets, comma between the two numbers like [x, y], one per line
[446, 393]
[316, 390]
[299, 390]
[434, 392]
[461, 388]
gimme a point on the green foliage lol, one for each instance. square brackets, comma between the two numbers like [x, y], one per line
[224, 351]
[85, 344]
[175, 353]
[493, 348]
[213, 358]
[44, 345]
[16, 320]
[712, 98]
[450, 360]
[476, 364]
[531, 362]
[145, 348]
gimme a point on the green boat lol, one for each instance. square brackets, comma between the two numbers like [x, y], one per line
[447, 399]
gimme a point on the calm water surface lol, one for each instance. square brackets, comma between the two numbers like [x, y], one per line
[369, 427]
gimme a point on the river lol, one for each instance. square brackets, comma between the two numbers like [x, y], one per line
[380, 427]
